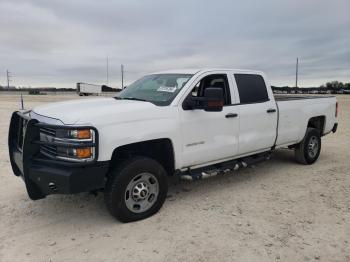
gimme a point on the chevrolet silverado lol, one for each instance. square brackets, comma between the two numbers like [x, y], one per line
[188, 123]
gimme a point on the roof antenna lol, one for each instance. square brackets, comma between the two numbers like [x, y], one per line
[22, 102]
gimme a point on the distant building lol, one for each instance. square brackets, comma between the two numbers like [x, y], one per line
[9, 88]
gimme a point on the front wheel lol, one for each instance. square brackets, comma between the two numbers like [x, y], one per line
[308, 150]
[136, 189]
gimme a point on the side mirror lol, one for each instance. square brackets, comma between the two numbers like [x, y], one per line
[212, 101]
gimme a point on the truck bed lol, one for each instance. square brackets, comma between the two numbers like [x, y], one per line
[279, 97]
[294, 112]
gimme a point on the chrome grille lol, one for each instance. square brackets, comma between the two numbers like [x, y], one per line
[48, 150]
[48, 131]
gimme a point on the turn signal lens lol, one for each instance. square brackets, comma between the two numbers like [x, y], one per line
[84, 152]
[84, 134]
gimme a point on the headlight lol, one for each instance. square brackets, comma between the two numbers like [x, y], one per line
[75, 134]
[76, 144]
[75, 153]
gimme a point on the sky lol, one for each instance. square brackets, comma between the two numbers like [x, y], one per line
[59, 43]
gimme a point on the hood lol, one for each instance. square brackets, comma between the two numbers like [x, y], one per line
[90, 111]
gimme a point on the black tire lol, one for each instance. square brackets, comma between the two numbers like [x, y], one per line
[303, 152]
[121, 177]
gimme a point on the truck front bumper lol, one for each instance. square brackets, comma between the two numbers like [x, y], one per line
[43, 176]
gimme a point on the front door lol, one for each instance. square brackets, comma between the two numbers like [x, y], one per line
[209, 136]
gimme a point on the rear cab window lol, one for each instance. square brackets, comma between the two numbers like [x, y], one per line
[251, 88]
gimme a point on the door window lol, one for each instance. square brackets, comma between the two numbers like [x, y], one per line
[215, 80]
[251, 88]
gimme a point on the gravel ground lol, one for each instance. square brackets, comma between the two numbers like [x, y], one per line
[275, 211]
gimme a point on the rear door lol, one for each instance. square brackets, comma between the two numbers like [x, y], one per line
[257, 114]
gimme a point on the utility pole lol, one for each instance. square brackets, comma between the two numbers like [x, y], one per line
[122, 71]
[107, 72]
[8, 76]
[296, 73]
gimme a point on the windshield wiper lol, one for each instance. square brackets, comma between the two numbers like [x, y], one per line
[133, 98]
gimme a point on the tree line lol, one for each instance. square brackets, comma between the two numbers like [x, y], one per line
[332, 87]
[336, 85]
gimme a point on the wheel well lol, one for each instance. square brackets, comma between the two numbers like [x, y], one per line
[317, 122]
[160, 150]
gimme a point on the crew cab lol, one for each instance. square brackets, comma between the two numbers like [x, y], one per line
[190, 123]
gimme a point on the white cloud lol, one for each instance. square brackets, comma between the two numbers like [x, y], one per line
[58, 43]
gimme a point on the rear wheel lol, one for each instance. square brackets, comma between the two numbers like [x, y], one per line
[308, 150]
[136, 189]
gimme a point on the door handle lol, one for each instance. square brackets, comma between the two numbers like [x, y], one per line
[271, 110]
[231, 115]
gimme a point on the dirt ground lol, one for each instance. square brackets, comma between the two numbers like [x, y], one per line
[276, 211]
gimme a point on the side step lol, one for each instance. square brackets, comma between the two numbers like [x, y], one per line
[223, 168]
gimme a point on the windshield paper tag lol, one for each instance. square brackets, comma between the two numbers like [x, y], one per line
[170, 89]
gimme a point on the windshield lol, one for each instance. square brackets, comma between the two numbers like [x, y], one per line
[159, 89]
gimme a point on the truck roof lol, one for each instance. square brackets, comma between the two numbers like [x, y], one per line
[193, 71]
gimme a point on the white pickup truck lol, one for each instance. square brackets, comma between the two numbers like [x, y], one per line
[189, 123]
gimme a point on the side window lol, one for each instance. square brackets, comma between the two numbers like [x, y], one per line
[216, 80]
[251, 88]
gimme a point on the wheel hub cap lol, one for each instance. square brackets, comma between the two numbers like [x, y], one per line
[141, 192]
[313, 146]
